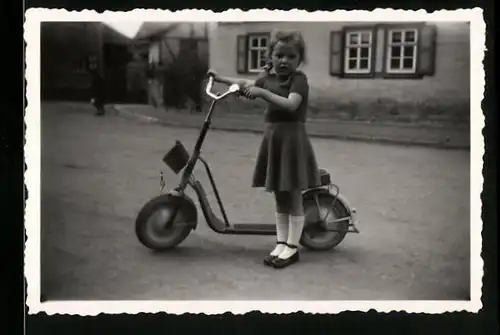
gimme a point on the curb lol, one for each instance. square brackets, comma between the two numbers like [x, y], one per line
[358, 138]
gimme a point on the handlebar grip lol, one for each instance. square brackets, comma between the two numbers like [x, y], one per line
[232, 89]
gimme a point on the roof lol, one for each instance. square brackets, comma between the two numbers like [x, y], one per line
[72, 29]
[111, 35]
[149, 29]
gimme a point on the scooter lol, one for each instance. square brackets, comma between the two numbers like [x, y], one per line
[166, 220]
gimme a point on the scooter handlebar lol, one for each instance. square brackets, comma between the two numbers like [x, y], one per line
[232, 89]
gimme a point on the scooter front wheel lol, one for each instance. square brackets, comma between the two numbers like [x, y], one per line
[317, 209]
[151, 223]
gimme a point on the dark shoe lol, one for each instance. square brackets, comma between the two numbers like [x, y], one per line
[268, 260]
[280, 263]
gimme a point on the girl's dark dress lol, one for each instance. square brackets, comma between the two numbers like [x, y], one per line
[286, 160]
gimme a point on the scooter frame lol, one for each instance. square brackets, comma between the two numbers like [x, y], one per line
[225, 226]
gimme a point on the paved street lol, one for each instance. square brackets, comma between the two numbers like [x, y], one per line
[413, 205]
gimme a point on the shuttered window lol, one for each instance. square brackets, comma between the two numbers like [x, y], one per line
[251, 53]
[402, 45]
[403, 52]
[358, 52]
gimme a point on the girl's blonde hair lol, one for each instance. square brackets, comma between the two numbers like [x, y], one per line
[293, 37]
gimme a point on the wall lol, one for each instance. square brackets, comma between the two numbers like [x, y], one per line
[137, 68]
[172, 80]
[169, 43]
[449, 86]
[64, 46]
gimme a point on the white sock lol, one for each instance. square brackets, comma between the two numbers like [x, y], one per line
[294, 234]
[281, 232]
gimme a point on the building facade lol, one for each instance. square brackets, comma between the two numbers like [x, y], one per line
[178, 59]
[409, 72]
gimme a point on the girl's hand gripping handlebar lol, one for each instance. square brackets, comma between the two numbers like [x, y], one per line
[234, 88]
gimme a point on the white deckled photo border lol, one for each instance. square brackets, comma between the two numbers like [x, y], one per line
[35, 16]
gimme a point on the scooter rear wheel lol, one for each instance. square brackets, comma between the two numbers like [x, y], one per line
[151, 222]
[315, 236]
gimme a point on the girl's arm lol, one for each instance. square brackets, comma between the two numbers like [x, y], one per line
[290, 103]
[298, 90]
[230, 81]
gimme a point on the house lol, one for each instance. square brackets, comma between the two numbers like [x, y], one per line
[411, 72]
[178, 58]
[64, 48]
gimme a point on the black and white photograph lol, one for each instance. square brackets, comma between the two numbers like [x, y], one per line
[265, 160]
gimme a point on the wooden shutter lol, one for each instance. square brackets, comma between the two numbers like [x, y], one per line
[336, 53]
[241, 53]
[427, 50]
[268, 43]
[379, 49]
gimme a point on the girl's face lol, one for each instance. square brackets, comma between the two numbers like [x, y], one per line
[285, 58]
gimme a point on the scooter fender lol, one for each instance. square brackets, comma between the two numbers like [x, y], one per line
[343, 200]
[185, 205]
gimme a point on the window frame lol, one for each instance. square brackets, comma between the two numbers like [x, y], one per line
[250, 37]
[347, 46]
[402, 45]
[380, 53]
[391, 74]
[346, 30]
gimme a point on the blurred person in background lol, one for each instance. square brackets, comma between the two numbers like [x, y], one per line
[97, 87]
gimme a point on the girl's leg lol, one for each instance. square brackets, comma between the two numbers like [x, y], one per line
[282, 222]
[296, 225]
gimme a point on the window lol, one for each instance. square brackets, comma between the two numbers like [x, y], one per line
[252, 52]
[88, 62]
[188, 45]
[384, 51]
[402, 51]
[358, 52]
[257, 49]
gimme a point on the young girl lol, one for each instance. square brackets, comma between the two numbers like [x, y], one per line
[286, 163]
